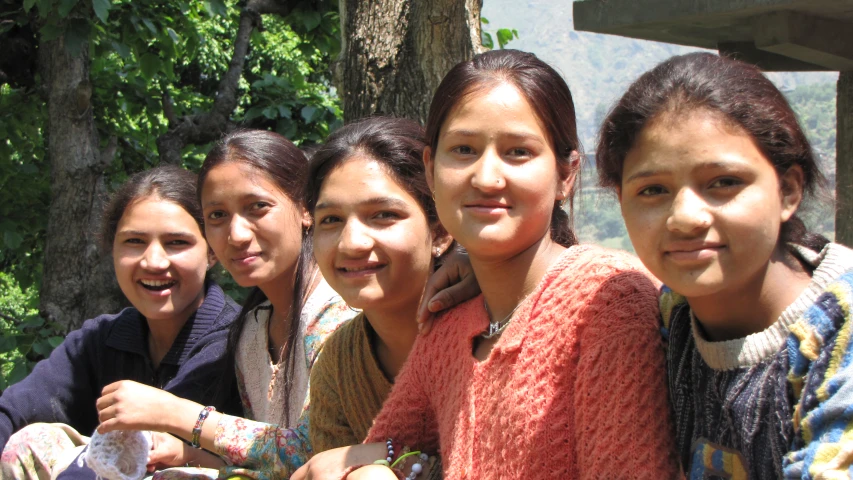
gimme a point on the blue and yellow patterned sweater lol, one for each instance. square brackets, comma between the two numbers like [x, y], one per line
[776, 404]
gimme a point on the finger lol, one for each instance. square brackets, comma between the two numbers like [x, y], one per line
[453, 295]
[442, 278]
[108, 426]
[111, 388]
[301, 473]
[105, 402]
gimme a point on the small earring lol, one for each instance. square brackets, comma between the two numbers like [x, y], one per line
[433, 195]
[437, 252]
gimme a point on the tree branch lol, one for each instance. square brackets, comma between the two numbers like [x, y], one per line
[209, 126]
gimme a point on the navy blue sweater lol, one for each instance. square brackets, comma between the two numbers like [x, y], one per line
[64, 387]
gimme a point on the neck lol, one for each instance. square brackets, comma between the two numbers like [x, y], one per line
[395, 334]
[505, 282]
[746, 309]
[161, 336]
[280, 294]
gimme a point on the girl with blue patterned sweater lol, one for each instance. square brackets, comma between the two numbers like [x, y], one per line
[711, 167]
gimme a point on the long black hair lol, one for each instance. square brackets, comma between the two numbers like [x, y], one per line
[283, 163]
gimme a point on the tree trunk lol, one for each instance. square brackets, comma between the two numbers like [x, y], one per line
[78, 282]
[395, 52]
[844, 160]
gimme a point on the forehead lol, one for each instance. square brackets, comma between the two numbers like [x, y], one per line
[688, 140]
[361, 178]
[156, 214]
[495, 107]
[238, 178]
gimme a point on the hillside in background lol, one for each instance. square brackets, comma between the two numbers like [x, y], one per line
[598, 68]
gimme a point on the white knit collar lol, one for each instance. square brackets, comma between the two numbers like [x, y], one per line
[753, 349]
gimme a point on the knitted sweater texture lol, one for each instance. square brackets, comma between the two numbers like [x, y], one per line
[348, 388]
[574, 388]
[774, 404]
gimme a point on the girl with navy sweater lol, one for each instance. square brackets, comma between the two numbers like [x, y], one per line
[172, 337]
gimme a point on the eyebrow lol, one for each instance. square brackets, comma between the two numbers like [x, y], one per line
[382, 201]
[515, 135]
[653, 172]
[139, 233]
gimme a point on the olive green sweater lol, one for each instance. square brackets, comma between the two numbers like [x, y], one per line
[347, 388]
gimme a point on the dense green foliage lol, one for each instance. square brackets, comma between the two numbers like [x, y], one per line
[142, 52]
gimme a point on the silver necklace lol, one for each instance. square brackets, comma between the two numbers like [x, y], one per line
[496, 328]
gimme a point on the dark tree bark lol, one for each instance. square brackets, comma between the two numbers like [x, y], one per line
[395, 52]
[844, 160]
[78, 282]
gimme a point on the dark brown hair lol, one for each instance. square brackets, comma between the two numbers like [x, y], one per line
[167, 182]
[283, 163]
[545, 91]
[396, 143]
[737, 91]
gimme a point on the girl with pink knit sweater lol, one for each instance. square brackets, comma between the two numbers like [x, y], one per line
[557, 369]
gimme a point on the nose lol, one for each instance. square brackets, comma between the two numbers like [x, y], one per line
[155, 257]
[355, 239]
[689, 213]
[239, 231]
[488, 172]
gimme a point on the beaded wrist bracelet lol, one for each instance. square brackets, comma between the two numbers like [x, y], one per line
[389, 445]
[202, 416]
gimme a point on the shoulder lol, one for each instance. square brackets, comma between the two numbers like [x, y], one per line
[597, 276]
[343, 341]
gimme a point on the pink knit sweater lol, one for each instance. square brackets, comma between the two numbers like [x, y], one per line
[574, 389]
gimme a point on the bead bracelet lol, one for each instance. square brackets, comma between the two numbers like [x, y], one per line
[202, 416]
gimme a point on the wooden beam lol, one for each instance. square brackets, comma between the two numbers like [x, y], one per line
[844, 160]
[821, 41]
[767, 61]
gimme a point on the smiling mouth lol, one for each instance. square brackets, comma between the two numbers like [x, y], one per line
[157, 285]
[362, 269]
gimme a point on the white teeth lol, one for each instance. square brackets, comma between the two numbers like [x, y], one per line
[156, 283]
[359, 269]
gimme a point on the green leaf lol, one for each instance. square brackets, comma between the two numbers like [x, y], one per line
[102, 9]
[283, 111]
[12, 239]
[75, 35]
[33, 322]
[487, 41]
[149, 64]
[311, 19]
[216, 7]
[19, 372]
[122, 49]
[7, 343]
[42, 348]
[148, 23]
[308, 113]
[49, 32]
[253, 113]
[504, 37]
[28, 5]
[65, 7]
[55, 341]
[484, 20]
[173, 35]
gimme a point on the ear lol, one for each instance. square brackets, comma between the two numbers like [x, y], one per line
[441, 241]
[428, 166]
[211, 258]
[792, 184]
[307, 220]
[568, 175]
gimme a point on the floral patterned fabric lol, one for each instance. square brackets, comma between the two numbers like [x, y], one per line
[263, 451]
[40, 451]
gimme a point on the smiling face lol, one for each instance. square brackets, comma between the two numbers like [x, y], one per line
[254, 229]
[703, 205]
[160, 259]
[372, 240]
[495, 180]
